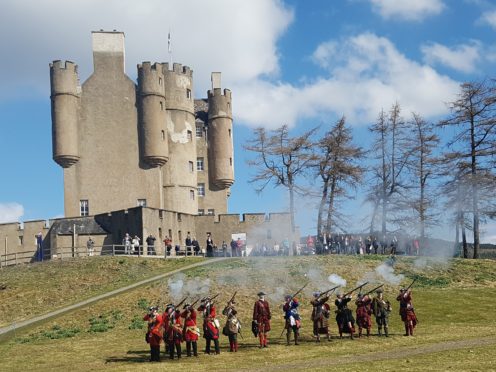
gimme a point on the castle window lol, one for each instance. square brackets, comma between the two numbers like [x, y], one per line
[199, 131]
[163, 135]
[191, 167]
[159, 81]
[190, 135]
[210, 212]
[161, 106]
[201, 212]
[229, 133]
[192, 194]
[201, 189]
[230, 162]
[84, 208]
[199, 164]
[188, 93]
[179, 217]
[141, 203]
[20, 239]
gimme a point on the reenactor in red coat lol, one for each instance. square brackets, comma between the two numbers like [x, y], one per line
[190, 330]
[210, 324]
[173, 330]
[363, 313]
[155, 333]
[261, 315]
[320, 316]
[407, 312]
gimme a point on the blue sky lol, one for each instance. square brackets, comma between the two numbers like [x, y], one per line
[301, 63]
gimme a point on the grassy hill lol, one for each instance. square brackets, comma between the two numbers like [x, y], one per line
[454, 301]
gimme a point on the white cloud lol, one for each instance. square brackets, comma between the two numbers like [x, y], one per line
[236, 37]
[365, 74]
[460, 57]
[10, 212]
[410, 10]
[489, 18]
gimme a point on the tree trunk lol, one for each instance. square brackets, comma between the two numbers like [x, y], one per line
[475, 194]
[291, 208]
[464, 235]
[372, 220]
[323, 201]
[331, 206]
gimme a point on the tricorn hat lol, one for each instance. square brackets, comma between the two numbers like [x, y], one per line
[261, 293]
[380, 290]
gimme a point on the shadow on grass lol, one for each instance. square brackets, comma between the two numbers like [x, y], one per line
[133, 356]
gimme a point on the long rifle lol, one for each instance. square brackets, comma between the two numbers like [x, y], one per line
[180, 303]
[372, 290]
[213, 298]
[329, 290]
[353, 290]
[232, 298]
[194, 303]
[410, 286]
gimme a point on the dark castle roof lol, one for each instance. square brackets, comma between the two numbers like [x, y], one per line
[84, 225]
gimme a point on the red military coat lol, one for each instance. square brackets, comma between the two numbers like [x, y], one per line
[261, 313]
[363, 312]
[191, 331]
[155, 329]
[173, 327]
[210, 330]
[407, 311]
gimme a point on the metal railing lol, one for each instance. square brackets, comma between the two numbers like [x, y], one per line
[62, 253]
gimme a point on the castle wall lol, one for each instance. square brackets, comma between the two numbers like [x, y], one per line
[259, 228]
[20, 238]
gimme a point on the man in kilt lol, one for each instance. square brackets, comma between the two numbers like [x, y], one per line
[363, 312]
[344, 317]
[407, 312]
[262, 316]
[320, 316]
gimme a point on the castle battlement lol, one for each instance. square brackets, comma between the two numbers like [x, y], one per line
[218, 92]
[64, 65]
[147, 66]
[178, 68]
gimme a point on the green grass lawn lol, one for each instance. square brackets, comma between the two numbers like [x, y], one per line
[38, 288]
[453, 301]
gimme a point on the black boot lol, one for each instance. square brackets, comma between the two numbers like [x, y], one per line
[288, 338]
[188, 348]
[296, 338]
[195, 349]
[178, 350]
[386, 331]
[217, 348]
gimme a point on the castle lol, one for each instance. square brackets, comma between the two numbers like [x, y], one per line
[151, 144]
[141, 158]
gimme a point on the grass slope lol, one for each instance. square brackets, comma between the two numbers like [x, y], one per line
[38, 288]
[454, 302]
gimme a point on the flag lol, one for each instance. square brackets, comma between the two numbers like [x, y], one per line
[169, 46]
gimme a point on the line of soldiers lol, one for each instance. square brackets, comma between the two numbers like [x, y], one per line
[168, 326]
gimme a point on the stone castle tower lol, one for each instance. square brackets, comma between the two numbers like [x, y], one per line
[123, 144]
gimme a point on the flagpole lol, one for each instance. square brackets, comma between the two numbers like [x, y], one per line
[169, 48]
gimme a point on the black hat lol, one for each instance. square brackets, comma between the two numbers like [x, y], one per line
[261, 293]
[380, 290]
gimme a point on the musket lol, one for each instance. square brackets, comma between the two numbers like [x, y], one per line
[194, 303]
[232, 298]
[353, 290]
[407, 288]
[213, 298]
[180, 303]
[372, 290]
[298, 292]
[329, 290]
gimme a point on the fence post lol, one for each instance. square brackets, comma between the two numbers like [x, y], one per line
[113, 250]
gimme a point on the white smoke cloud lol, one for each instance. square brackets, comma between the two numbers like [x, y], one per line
[336, 280]
[386, 272]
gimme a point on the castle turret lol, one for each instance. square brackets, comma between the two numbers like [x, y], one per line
[152, 114]
[180, 178]
[220, 143]
[65, 98]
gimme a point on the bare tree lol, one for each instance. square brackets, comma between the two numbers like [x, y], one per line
[389, 149]
[339, 169]
[281, 159]
[474, 143]
[422, 165]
